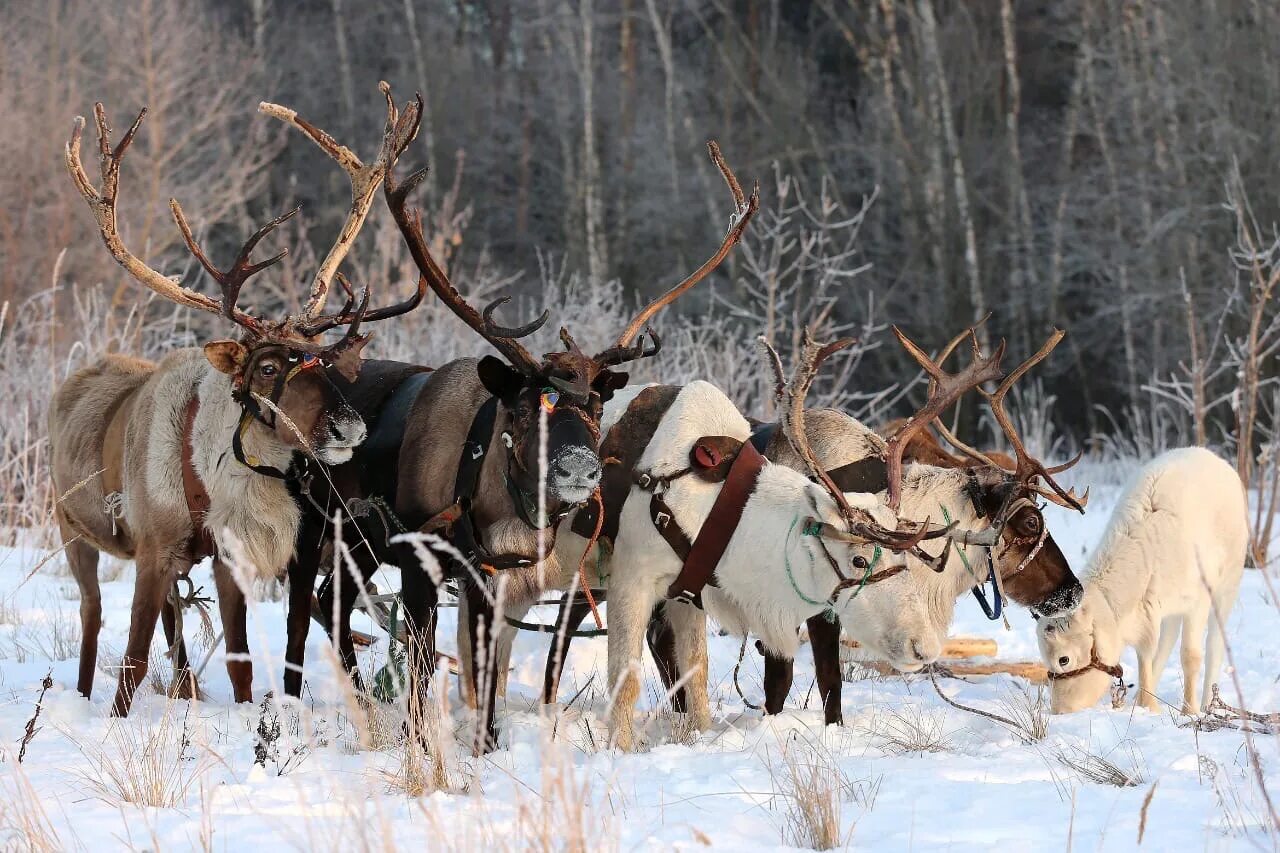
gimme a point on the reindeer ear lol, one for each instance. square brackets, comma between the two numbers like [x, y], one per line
[500, 379]
[226, 356]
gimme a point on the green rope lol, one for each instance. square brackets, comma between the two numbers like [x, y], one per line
[828, 610]
[964, 558]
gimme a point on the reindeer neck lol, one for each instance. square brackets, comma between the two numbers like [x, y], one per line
[219, 417]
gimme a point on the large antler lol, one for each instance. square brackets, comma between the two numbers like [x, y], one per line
[743, 209]
[102, 202]
[944, 390]
[365, 178]
[410, 224]
[861, 526]
[1028, 468]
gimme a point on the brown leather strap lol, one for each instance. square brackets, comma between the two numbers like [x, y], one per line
[201, 544]
[665, 521]
[621, 451]
[712, 539]
[1112, 670]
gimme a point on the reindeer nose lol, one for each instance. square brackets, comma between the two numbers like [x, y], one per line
[916, 652]
[1064, 660]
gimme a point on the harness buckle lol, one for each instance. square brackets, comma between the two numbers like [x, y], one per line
[662, 519]
[476, 451]
[644, 481]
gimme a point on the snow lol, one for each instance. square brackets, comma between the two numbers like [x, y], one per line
[552, 785]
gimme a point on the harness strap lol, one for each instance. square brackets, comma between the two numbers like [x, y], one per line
[459, 517]
[252, 462]
[1113, 670]
[621, 450]
[201, 542]
[713, 538]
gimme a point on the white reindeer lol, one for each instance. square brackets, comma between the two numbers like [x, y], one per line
[1170, 561]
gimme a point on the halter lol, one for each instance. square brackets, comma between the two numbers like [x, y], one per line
[1114, 670]
[526, 502]
[813, 527]
[252, 410]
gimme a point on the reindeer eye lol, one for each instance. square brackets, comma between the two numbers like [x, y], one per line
[860, 562]
[268, 369]
[550, 397]
[1049, 629]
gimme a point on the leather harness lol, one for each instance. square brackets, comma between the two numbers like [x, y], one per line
[1113, 670]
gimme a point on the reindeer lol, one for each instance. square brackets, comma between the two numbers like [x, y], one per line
[1029, 568]
[764, 549]
[196, 450]
[899, 620]
[506, 416]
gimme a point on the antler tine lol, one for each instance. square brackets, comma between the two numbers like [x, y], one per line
[811, 357]
[1028, 467]
[774, 362]
[241, 270]
[744, 209]
[938, 424]
[511, 331]
[410, 225]
[102, 204]
[365, 178]
[944, 390]
[324, 324]
[618, 355]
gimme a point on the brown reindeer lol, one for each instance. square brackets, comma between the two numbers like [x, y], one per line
[504, 417]
[190, 455]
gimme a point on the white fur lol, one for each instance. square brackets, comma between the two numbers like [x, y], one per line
[754, 593]
[1171, 560]
[256, 511]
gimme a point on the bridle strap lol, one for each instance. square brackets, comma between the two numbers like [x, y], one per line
[252, 410]
[1113, 670]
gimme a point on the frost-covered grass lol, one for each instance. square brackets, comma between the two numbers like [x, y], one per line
[327, 773]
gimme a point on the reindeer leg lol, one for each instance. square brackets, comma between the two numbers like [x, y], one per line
[689, 642]
[484, 674]
[824, 639]
[82, 559]
[235, 629]
[302, 581]
[779, 673]
[661, 639]
[577, 610]
[184, 682]
[419, 597]
[156, 572]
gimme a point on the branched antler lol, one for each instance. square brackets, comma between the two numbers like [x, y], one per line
[944, 390]
[365, 179]
[861, 527]
[1028, 468]
[743, 209]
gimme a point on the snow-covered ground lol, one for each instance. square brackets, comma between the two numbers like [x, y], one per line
[909, 771]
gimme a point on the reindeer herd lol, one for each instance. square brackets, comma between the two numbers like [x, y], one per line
[512, 476]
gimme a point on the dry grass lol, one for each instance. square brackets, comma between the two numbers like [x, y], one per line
[1028, 708]
[143, 761]
[1101, 769]
[810, 785]
[910, 731]
[24, 824]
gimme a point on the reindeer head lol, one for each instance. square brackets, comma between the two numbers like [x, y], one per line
[279, 370]
[855, 536]
[554, 403]
[1034, 571]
